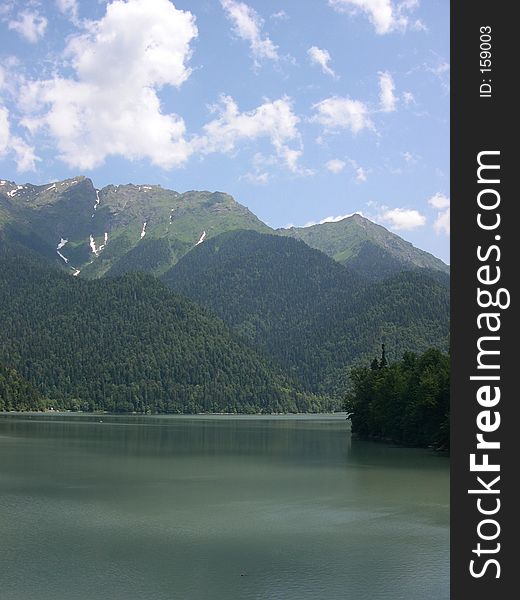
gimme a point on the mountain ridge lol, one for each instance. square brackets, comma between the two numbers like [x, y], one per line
[94, 232]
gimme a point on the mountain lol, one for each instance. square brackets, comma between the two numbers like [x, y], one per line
[314, 315]
[126, 228]
[365, 247]
[116, 229]
[301, 306]
[129, 344]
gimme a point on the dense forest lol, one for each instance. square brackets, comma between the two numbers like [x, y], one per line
[406, 402]
[315, 316]
[130, 344]
[16, 393]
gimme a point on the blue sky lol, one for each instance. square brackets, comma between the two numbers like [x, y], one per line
[304, 111]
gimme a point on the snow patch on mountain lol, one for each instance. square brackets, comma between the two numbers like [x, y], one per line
[143, 231]
[93, 246]
[201, 239]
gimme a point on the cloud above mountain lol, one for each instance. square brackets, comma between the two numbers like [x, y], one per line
[110, 105]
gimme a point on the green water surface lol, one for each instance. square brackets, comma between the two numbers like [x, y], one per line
[220, 508]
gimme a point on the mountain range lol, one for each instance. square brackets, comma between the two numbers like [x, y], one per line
[122, 228]
[138, 298]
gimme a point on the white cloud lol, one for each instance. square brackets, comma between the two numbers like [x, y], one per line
[4, 129]
[335, 165]
[408, 98]
[342, 113]
[403, 218]
[29, 25]
[10, 144]
[386, 16]
[247, 25]
[361, 175]
[442, 204]
[387, 98]
[442, 222]
[68, 7]
[439, 201]
[111, 107]
[280, 15]
[409, 158]
[329, 219]
[257, 178]
[321, 57]
[440, 69]
[273, 120]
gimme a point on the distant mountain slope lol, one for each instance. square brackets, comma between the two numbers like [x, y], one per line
[129, 344]
[314, 315]
[365, 246]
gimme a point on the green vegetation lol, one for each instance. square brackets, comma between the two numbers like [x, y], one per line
[130, 344]
[74, 210]
[40, 216]
[18, 394]
[365, 246]
[406, 402]
[266, 321]
[315, 316]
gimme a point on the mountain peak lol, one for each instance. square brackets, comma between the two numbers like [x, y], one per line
[365, 246]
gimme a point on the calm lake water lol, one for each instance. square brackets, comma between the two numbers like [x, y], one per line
[220, 508]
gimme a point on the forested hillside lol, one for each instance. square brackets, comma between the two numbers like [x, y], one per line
[129, 344]
[315, 316]
[16, 393]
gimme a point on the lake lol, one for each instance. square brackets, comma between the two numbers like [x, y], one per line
[221, 508]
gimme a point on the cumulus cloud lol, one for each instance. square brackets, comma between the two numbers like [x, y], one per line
[386, 16]
[275, 121]
[321, 57]
[442, 204]
[387, 98]
[403, 218]
[247, 25]
[339, 112]
[442, 222]
[439, 201]
[330, 219]
[335, 165]
[111, 106]
[30, 25]
[68, 7]
[24, 154]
